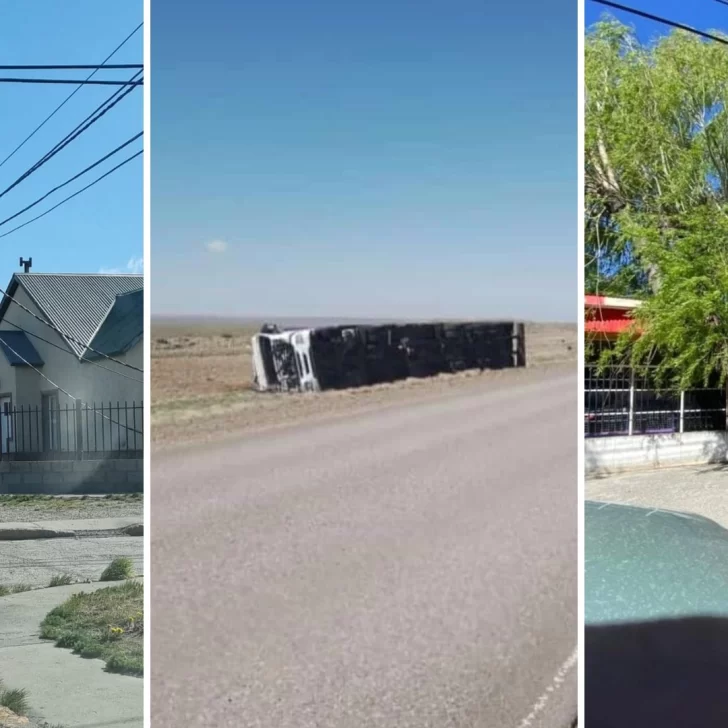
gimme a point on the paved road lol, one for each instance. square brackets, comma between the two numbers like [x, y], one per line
[414, 567]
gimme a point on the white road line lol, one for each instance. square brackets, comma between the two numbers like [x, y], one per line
[555, 685]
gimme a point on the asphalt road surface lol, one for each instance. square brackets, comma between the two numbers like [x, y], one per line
[414, 567]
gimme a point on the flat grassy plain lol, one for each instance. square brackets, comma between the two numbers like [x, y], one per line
[202, 382]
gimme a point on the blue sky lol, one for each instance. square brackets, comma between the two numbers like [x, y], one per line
[377, 159]
[101, 228]
[703, 14]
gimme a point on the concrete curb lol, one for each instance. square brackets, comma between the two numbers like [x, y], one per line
[10, 532]
[33, 531]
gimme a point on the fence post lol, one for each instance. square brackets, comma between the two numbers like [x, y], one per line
[682, 412]
[79, 431]
[631, 402]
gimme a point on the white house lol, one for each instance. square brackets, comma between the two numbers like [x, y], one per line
[41, 365]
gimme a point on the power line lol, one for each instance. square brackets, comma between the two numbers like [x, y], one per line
[664, 21]
[70, 353]
[100, 111]
[72, 179]
[70, 197]
[70, 81]
[37, 371]
[69, 97]
[72, 68]
[66, 392]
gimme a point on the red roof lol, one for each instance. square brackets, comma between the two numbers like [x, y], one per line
[608, 315]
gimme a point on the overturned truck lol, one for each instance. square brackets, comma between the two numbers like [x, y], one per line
[341, 357]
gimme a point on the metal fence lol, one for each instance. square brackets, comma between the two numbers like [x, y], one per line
[80, 432]
[621, 401]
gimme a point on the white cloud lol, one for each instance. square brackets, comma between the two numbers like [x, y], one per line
[135, 265]
[216, 246]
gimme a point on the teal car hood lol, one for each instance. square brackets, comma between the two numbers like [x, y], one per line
[642, 564]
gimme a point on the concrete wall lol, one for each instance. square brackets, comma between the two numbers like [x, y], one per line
[83, 380]
[614, 454]
[66, 477]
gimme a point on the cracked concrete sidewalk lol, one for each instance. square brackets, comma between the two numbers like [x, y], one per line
[63, 688]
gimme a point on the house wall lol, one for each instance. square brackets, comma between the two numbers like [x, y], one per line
[96, 384]
[7, 375]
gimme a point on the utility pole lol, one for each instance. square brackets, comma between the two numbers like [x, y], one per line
[26, 264]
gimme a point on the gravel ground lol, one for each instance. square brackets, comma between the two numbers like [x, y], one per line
[702, 490]
[35, 562]
[46, 508]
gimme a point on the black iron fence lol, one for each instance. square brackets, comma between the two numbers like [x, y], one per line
[80, 432]
[621, 401]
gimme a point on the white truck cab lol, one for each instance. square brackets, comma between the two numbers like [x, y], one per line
[301, 341]
[282, 361]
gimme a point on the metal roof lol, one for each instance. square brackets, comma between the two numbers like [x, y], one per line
[122, 327]
[76, 304]
[18, 350]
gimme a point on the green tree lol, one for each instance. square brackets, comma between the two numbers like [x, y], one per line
[684, 323]
[655, 148]
[656, 193]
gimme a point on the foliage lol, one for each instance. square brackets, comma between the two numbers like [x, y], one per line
[61, 580]
[656, 145]
[119, 569]
[106, 624]
[656, 195]
[6, 590]
[15, 700]
[684, 324]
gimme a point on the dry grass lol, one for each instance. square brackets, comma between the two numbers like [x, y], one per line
[202, 381]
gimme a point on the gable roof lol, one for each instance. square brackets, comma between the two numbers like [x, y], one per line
[18, 349]
[76, 304]
[121, 329]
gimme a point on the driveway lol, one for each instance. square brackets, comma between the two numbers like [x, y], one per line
[411, 567]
